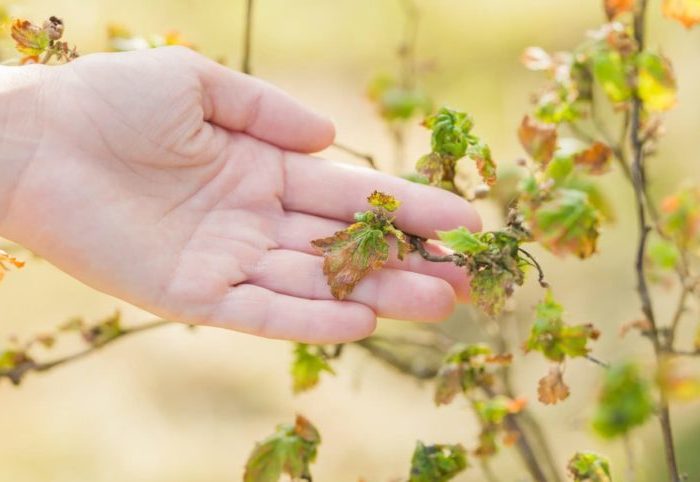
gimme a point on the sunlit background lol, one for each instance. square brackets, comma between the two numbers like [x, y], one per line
[187, 405]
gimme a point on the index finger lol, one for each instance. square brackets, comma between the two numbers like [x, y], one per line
[334, 190]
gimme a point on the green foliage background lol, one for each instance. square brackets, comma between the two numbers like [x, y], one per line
[176, 406]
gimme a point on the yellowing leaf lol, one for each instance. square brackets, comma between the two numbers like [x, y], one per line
[677, 381]
[481, 154]
[687, 12]
[681, 216]
[30, 40]
[290, 450]
[5, 260]
[307, 368]
[589, 467]
[612, 72]
[615, 8]
[385, 201]
[596, 159]
[656, 84]
[539, 140]
[551, 388]
[555, 339]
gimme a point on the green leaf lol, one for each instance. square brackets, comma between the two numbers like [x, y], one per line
[625, 401]
[437, 463]
[395, 102]
[656, 84]
[307, 368]
[611, 71]
[490, 288]
[290, 450]
[589, 467]
[555, 339]
[30, 40]
[663, 253]
[451, 132]
[462, 241]
[566, 223]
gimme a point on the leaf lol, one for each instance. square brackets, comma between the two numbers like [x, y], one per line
[566, 223]
[351, 254]
[663, 254]
[104, 331]
[687, 12]
[491, 414]
[656, 84]
[5, 260]
[681, 216]
[589, 467]
[467, 367]
[384, 201]
[677, 381]
[437, 463]
[551, 388]
[615, 8]
[612, 72]
[30, 40]
[481, 154]
[288, 451]
[451, 130]
[625, 401]
[490, 290]
[596, 159]
[539, 140]
[555, 339]
[307, 368]
[462, 241]
[536, 59]
[395, 102]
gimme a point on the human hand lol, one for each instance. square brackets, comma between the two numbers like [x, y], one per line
[180, 186]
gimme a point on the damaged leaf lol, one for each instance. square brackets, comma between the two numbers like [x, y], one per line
[289, 451]
[555, 339]
[539, 140]
[349, 255]
[437, 463]
[656, 85]
[589, 467]
[551, 388]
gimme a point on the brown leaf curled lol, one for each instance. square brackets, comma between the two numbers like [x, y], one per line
[551, 388]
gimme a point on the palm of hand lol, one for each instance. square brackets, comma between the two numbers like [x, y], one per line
[170, 182]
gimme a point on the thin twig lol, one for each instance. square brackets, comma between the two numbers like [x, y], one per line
[360, 155]
[17, 373]
[246, 67]
[597, 361]
[533, 262]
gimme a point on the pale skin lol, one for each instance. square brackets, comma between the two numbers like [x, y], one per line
[189, 190]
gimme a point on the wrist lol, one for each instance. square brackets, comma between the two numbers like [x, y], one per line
[20, 130]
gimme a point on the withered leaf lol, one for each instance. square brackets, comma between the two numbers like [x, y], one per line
[349, 255]
[551, 388]
[596, 159]
[687, 12]
[615, 8]
[30, 39]
[5, 260]
[539, 140]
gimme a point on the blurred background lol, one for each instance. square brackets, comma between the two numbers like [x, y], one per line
[187, 405]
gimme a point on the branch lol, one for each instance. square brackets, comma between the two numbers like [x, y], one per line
[639, 182]
[248, 38]
[17, 373]
[360, 155]
[418, 244]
